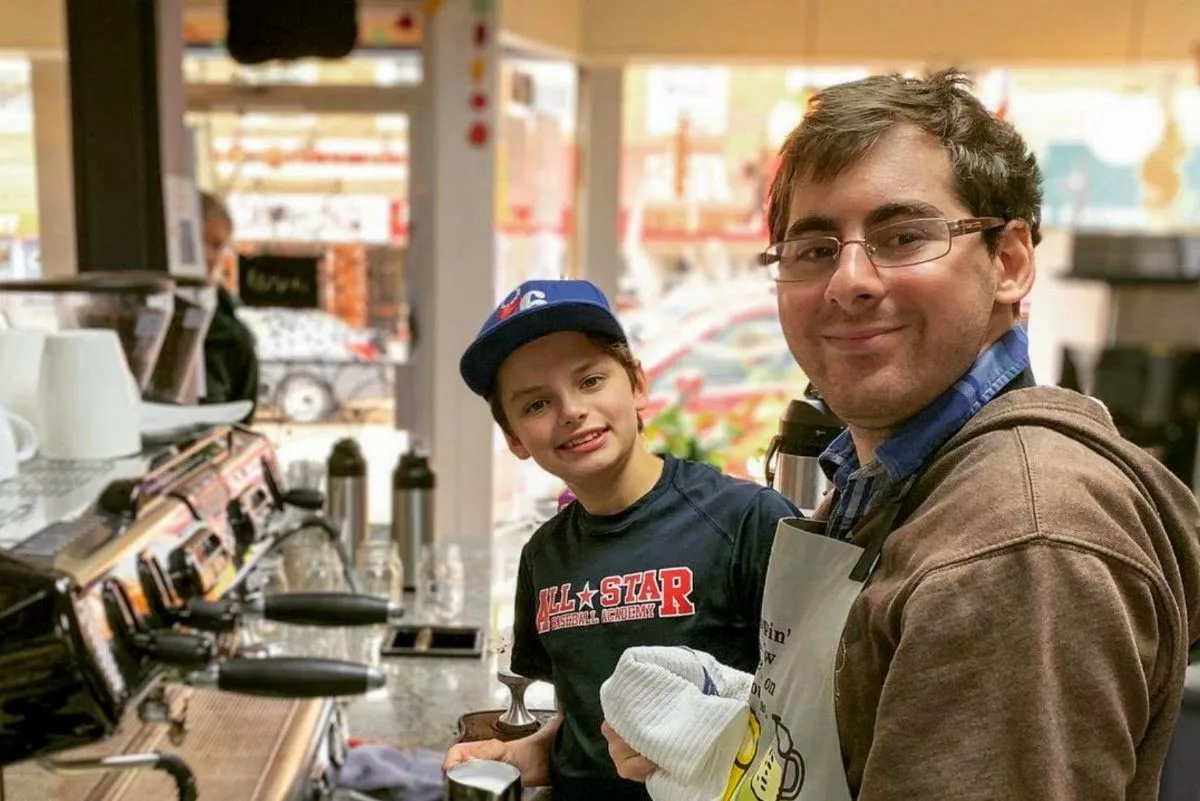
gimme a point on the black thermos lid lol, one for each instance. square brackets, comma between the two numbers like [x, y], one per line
[346, 460]
[807, 428]
[413, 472]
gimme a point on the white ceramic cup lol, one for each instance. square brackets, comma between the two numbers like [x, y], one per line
[89, 402]
[20, 366]
[18, 443]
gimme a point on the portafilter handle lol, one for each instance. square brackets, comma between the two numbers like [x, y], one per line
[290, 677]
[336, 609]
[517, 717]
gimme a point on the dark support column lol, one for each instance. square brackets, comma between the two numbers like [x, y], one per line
[113, 54]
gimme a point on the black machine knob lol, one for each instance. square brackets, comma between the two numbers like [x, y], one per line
[244, 530]
[161, 599]
[140, 644]
[176, 648]
[184, 574]
[121, 498]
[214, 616]
[310, 500]
[125, 624]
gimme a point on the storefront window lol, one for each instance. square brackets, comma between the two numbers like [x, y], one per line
[1120, 149]
[698, 152]
[535, 206]
[698, 94]
[535, 169]
[385, 68]
[328, 194]
[20, 253]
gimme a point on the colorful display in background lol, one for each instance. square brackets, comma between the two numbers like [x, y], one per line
[1081, 191]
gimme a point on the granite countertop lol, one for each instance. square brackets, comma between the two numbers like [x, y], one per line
[425, 696]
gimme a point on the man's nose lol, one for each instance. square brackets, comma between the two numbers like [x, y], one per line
[856, 279]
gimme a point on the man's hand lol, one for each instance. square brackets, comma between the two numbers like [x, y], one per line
[629, 763]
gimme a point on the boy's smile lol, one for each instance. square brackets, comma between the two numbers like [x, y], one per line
[586, 441]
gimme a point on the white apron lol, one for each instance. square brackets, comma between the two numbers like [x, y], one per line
[792, 749]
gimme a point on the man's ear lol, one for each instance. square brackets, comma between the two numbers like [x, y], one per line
[1014, 255]
[515, 447]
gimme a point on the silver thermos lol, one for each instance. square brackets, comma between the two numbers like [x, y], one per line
[346, 487]
[805, 430]
[412, 512]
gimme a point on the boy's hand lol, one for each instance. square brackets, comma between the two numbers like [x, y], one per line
[483, 749]
[629, 763]
[530, 755]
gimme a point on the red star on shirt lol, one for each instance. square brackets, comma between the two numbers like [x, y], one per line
[585, 596]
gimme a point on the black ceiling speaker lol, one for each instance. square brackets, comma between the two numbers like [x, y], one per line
[266, 30]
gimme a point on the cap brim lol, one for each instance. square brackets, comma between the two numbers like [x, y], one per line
[483, 358]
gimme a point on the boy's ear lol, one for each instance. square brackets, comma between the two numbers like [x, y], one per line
[515, 447]
[641, 393]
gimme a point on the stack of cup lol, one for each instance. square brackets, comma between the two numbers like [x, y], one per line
[75, 388]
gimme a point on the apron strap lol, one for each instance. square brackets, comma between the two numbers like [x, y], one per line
[888, 522]
[889, 516]
[1023, 380]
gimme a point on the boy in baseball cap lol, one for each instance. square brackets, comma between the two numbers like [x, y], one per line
[654, 550]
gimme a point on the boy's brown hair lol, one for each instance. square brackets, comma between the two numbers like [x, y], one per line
[618, 349]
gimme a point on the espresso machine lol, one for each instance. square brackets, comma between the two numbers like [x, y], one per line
[125, 587]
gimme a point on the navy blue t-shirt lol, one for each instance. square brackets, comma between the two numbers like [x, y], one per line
[684, 565]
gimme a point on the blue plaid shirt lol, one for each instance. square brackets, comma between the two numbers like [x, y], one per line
[899, 458]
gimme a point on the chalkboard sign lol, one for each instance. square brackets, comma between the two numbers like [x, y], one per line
[279, 281]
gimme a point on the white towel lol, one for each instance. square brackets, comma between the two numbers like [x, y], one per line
[685, 712]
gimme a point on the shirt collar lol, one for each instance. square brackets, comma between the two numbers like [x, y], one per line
[915, 440]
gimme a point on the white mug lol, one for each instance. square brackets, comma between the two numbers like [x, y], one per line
[90, 404]
[18, 443]
[20, 365]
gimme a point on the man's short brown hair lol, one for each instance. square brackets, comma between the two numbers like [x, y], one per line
[617, 348]
[995, 174]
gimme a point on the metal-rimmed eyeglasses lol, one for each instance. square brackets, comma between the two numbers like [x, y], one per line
[896, 244]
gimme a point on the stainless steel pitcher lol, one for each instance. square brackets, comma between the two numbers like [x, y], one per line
[483, 780]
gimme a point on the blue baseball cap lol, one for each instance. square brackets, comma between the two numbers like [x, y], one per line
[531, 311]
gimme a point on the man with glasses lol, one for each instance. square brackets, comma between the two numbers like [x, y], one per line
[998, 598]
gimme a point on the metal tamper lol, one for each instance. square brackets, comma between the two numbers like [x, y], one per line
[517, 719]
